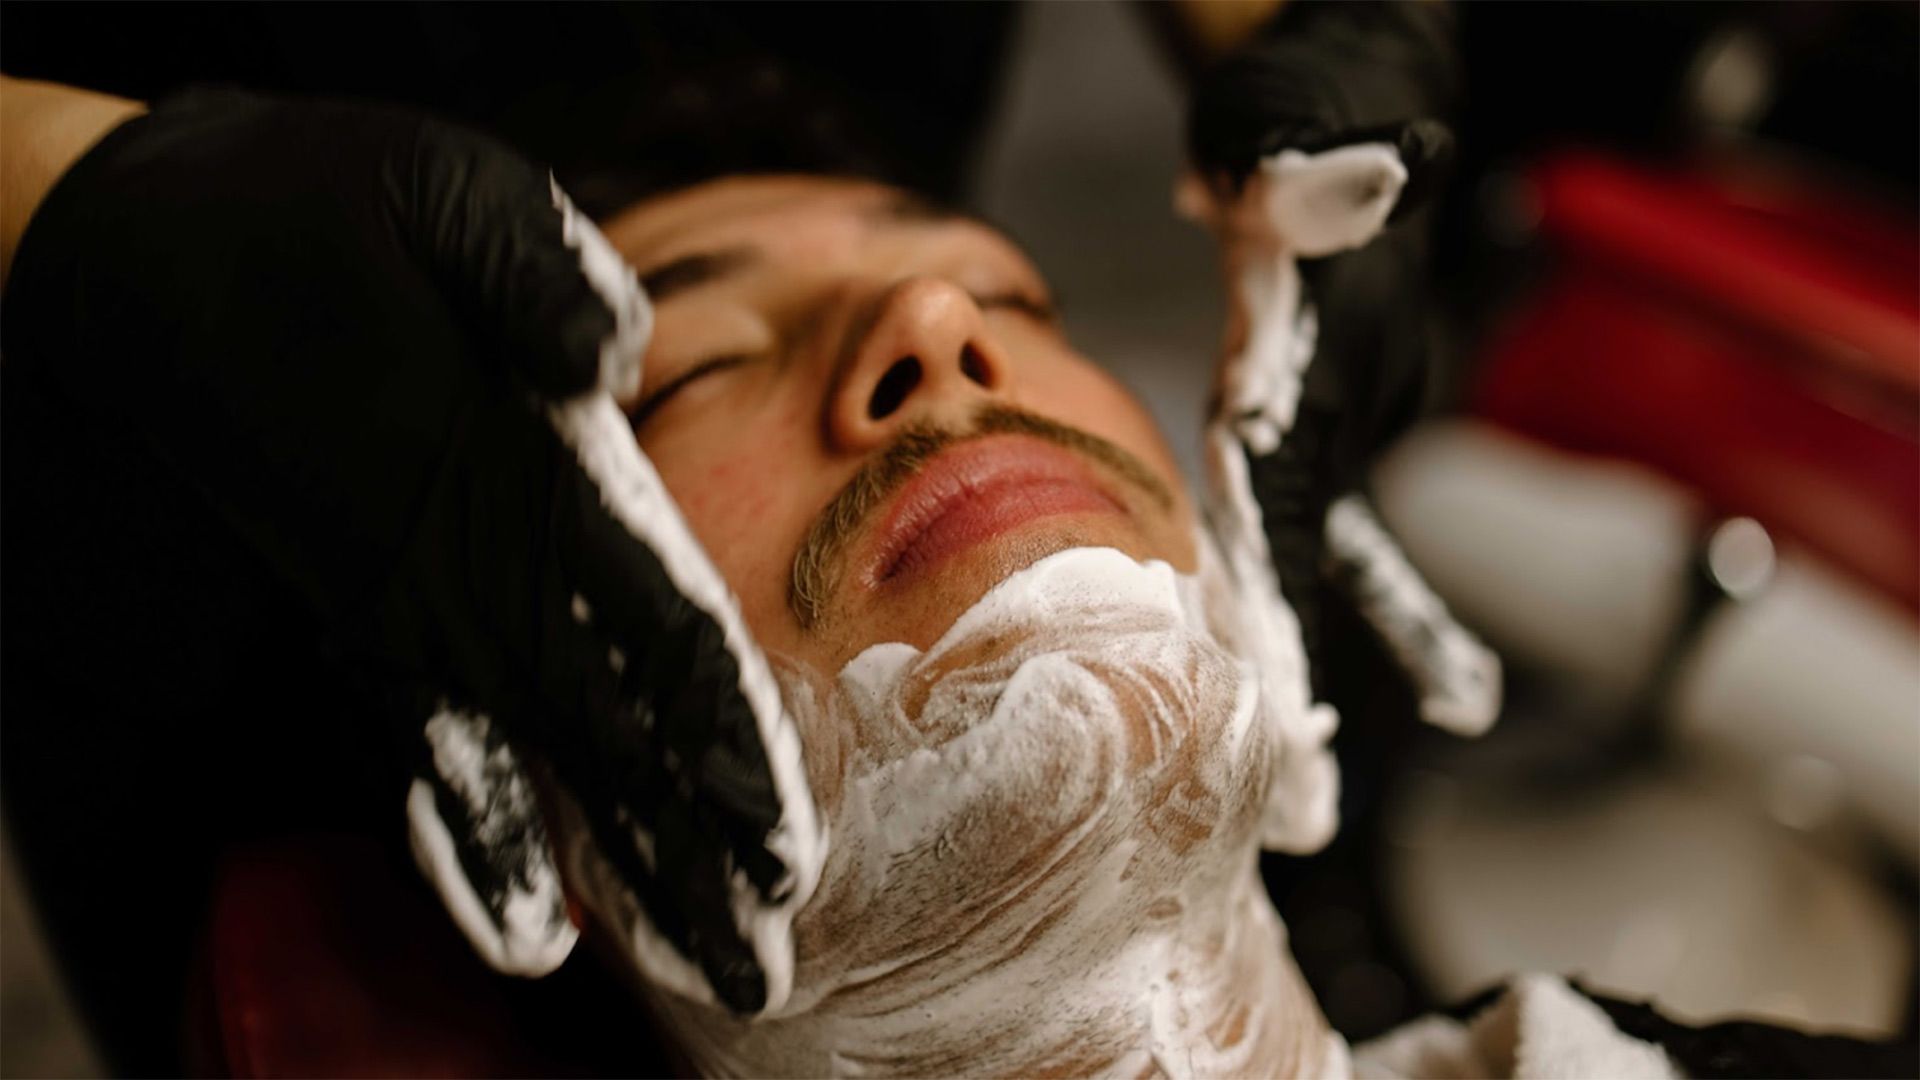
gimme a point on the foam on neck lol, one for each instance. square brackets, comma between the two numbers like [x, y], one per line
[1044, 848]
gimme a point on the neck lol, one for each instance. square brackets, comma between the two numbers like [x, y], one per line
[1202, 989]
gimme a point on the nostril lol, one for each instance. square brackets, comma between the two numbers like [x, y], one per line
[974, 366]
[893, 387]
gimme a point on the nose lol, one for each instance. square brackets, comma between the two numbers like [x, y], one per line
[922, 353]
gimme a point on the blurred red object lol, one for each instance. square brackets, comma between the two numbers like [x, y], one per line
[1752, 334]
[325, 960]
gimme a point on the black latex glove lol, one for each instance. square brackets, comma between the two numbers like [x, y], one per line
[1324, 74]
[1318, 77]
[376, 349]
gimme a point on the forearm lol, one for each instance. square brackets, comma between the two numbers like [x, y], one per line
[44, 129]
[1195, 33]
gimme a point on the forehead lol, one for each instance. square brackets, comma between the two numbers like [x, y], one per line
[801, 219]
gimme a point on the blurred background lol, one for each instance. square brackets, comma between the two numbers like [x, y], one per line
[1669, 470]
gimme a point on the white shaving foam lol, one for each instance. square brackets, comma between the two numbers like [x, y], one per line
[1332, 201]
[1303, 802]
[532, 934]
[1458, 677]
[1295, 206]
[1045, 858]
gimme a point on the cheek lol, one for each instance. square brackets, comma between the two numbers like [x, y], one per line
[724, 492]
[1076, 391]
[741, 494]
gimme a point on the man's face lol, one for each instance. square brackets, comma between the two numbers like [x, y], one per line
[871, 418]
[870, 415]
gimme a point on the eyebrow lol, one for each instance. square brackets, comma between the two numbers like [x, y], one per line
[909, 208]
[702, 267]
[699, 268]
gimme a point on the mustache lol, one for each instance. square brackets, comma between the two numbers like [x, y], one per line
[820, 564]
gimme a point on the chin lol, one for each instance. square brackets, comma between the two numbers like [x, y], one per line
[918, 611]
[1044, 829]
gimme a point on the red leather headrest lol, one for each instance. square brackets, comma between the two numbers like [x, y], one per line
[327, 959]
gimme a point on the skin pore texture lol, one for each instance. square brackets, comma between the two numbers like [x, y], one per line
[802, 328]
[1039, 725]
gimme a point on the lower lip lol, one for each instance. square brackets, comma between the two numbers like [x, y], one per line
[994, 511]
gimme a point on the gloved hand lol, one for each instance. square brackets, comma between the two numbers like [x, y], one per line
[379, 350]
[1321, 75]
[1306, 142]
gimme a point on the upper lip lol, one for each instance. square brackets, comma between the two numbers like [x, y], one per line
[969, 470]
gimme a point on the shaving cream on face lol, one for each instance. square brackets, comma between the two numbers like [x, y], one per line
[1044, 827]
[1045, 830]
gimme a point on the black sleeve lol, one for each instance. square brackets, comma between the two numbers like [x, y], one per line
[404, 53]
[621, 100]
[1736, 1048]
[1741, 1048]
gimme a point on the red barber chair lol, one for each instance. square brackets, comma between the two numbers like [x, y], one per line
[1752, 334]
[323, 960]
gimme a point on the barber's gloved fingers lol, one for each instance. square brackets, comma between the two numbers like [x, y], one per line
[647, 718]
[1290, 488]
[693, 863]
[621, 352]
[1423, 144]
[1456, 676]
[1260, 102]
[1252, 105]
[479, 836]
[1275, 94]
[1422, 148]
[1320, 76]
[653, 594]
[1315, 202]
[692, 768]
[644, 794]
[326, 319]
[530, 276]
[1426, 149]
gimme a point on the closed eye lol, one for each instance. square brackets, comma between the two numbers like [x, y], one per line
[1027, 304]
[650, 404]
[1037, 308]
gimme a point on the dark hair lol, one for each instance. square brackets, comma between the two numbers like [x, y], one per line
[894, 96]
[621, 100]
[741, 118]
